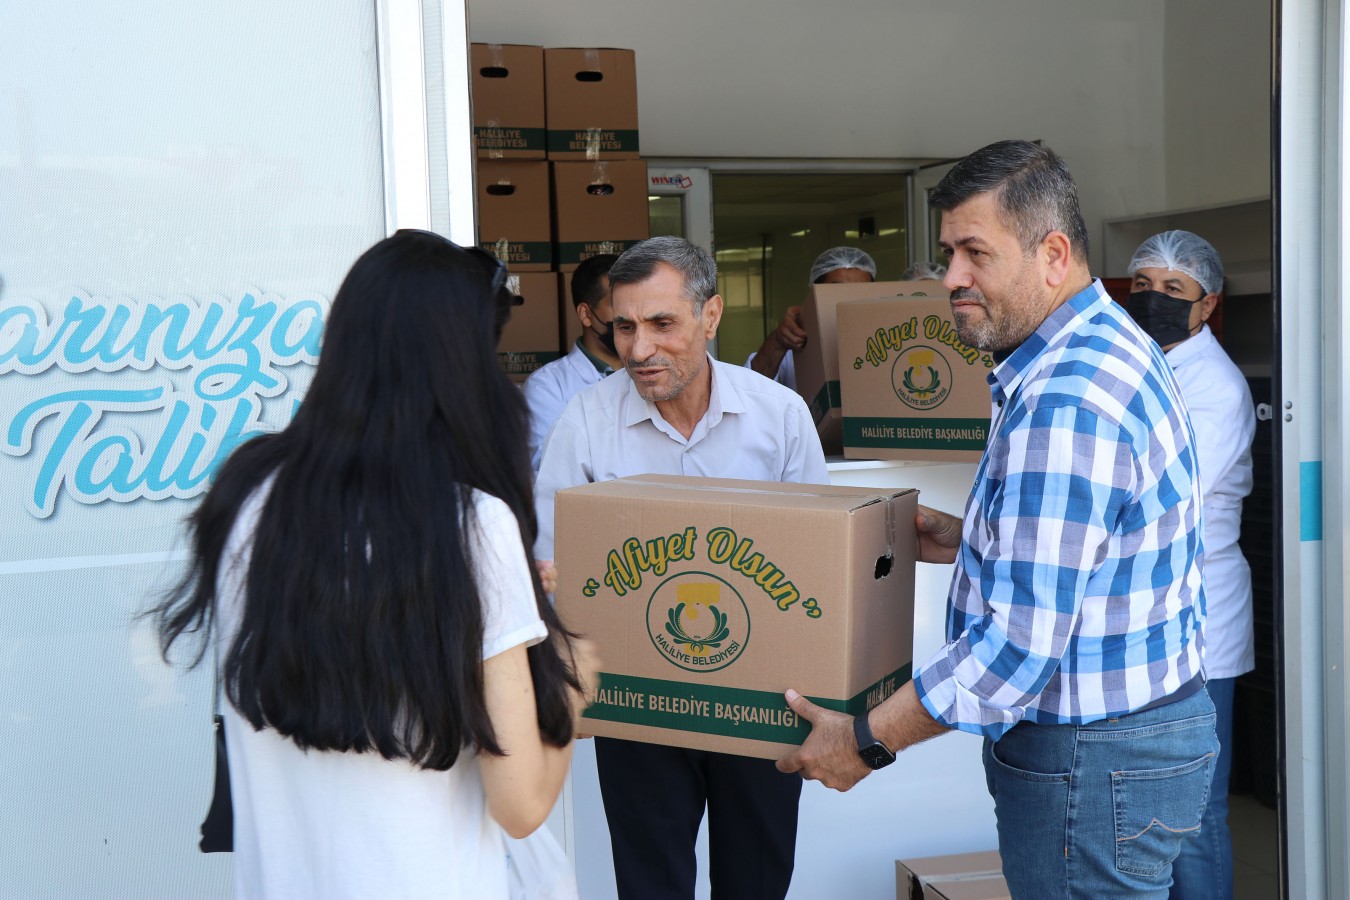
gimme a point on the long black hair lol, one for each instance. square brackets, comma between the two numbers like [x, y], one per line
[362, 626]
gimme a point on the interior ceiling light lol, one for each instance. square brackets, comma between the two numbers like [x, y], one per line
[803, 233]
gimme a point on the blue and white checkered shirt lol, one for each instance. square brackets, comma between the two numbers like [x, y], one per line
[1077, 594]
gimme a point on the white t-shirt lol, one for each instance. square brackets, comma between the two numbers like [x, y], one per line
[332, 825]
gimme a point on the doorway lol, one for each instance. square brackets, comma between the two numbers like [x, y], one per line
[765, 225]
[768, 228]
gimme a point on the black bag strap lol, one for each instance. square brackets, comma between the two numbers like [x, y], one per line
[218, 827]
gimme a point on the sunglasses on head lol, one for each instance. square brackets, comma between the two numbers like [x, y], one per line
[497, 270]
[492, 267]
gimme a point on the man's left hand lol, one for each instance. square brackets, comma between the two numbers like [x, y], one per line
[830, 753]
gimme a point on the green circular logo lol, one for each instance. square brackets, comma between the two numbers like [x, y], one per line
[698, 622]
[921, 378]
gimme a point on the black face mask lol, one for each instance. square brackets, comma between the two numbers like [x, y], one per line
[1165, 319]
[607, 338]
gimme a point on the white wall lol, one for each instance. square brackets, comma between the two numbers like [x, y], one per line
[1217, 63]
[182, 158]
[884, 78]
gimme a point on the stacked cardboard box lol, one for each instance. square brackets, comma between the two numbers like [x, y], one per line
[507, 82]
[598, 207]
[591, 102]
[599, 184]
[559, 178]
[708, 598]
[530, 340]
[514, 215]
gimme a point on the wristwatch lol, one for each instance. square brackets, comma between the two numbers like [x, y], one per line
[874, 753]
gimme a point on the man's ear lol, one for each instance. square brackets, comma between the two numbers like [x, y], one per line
[583, 310]
[712, 315]
[1056, 254]
[1208, 303]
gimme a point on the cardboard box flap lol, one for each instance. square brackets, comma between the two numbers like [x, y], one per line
[957, 876]
[747, 493]
[987, 887]
[956, 865]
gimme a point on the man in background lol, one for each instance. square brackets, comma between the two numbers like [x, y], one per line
[1177, 280]
[924, 271]
[548, 388]
[673, 410]
[838, 265]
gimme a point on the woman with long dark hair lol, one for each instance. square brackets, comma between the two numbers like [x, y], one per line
[398, 686]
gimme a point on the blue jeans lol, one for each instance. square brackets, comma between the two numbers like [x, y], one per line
[1204, 870]
[1098, 811]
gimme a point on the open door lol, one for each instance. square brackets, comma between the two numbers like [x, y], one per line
[925, 221]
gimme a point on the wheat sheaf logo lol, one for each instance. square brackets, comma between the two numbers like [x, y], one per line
[922, 378]
[698, 622]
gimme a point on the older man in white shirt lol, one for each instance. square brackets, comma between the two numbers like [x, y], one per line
[674, 410]
[1177, 281]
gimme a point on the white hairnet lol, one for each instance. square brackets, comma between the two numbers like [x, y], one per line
[841, 258]
[920, 271]
[1182, 252]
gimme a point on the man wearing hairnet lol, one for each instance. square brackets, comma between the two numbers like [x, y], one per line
[838, 265]
[1177, 281]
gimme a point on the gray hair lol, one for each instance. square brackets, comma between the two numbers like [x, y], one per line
[695, 265]
[924, 270]
[1032, 186]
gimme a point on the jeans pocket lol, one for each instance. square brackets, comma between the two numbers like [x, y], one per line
[1027, 804]
[1155, 810]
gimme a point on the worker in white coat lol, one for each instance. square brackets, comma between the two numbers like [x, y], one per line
[838, 265]
[1177, 280]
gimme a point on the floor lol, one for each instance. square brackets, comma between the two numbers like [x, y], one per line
[1255, 834]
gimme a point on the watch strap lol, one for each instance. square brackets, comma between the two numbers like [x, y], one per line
[872, 751]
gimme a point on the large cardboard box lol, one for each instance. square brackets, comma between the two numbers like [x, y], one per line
[532, 337]
[591, 98]
[507, 86]
[514, 224]
[911, 388]
[817, 364]
[708, 598]
[598, 207]
[960, 876]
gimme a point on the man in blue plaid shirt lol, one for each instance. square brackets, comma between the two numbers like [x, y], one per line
[1074, 618]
